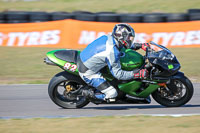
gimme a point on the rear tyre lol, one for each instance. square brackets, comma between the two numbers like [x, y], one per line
[177, 93]
[63, 90]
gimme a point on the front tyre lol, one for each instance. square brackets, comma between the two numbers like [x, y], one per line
[64, 90]
[177, 93]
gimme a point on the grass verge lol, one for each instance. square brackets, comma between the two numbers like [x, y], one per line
[121, 6]
[112, 124]
[25, 66]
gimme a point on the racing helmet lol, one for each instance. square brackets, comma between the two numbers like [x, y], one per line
[124, 34]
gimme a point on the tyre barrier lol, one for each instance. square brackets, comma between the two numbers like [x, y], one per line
[194, 16]
[107, 17]
[2, 18]
[130, 18]
[61, 16]
[17, 17]
[39, 17]
[25, 17]
[154, 18]
[85, 17]
[194, 11]
[176, 17]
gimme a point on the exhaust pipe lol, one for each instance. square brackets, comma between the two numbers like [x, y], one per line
[49, 62]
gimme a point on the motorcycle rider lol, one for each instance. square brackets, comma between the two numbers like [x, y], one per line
[105, 51]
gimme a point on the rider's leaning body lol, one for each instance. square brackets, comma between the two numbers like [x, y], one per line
[105, 51]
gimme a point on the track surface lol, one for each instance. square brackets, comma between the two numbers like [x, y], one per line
[27, 101]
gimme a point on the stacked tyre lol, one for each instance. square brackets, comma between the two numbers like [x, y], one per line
[154, 18]
[194, 14]
[61, 16]
[107, 17]
[84, 16]
[177, 17]
[2, 18]
[16, 17]
[39, 17]
[130, 18]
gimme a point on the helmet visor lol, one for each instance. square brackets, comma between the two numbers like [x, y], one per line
[130, 41]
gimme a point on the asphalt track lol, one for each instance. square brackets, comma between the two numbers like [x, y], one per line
[30, 101]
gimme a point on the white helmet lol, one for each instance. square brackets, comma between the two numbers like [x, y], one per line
[124, 34]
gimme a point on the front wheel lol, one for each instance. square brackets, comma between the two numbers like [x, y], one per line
[64, 91]
[177, 93]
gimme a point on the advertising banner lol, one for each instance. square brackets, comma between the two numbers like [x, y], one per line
[76, 34]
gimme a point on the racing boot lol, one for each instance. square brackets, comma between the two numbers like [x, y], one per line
[110, 94]
[93, 94]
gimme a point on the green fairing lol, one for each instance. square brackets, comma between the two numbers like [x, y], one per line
[129, 61]
[59, 62]
[131, 88]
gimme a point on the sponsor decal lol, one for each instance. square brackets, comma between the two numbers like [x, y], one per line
[87, 37]
[74, 34]
[34, 38]
[163, 38]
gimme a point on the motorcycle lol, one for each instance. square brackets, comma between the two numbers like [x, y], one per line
[166, 84]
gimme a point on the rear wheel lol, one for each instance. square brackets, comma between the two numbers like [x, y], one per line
[175, 94]
[64, 91]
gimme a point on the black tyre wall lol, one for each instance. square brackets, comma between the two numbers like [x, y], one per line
[130, 18]
[2, 18]
[17, 21]
[85, 17]
[106, 17]
[39, 17]
[24, 17]
[61, 16]
[80, 12]
[17, 15]
[194, 16]
[176, 17]
[194, 11]
[153, 18]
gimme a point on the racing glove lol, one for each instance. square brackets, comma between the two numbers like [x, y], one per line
[137, 46]
[145, 45]
[142, 74]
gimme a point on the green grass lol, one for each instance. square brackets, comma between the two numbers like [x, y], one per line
[121, 6]
[189, 60]
[114, 124]
[25, 65]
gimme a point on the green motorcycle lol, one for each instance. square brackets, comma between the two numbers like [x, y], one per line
[166, 84]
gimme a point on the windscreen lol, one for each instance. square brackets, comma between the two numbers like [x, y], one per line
[161, 52]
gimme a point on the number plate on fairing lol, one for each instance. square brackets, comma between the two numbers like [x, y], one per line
[70, 67]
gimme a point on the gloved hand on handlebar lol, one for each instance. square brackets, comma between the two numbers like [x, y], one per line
[145, 45]
[137, 46]
[142, 74]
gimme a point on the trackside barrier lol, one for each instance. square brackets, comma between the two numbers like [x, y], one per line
[75, 34]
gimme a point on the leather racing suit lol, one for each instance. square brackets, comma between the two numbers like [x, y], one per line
[102, 52]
